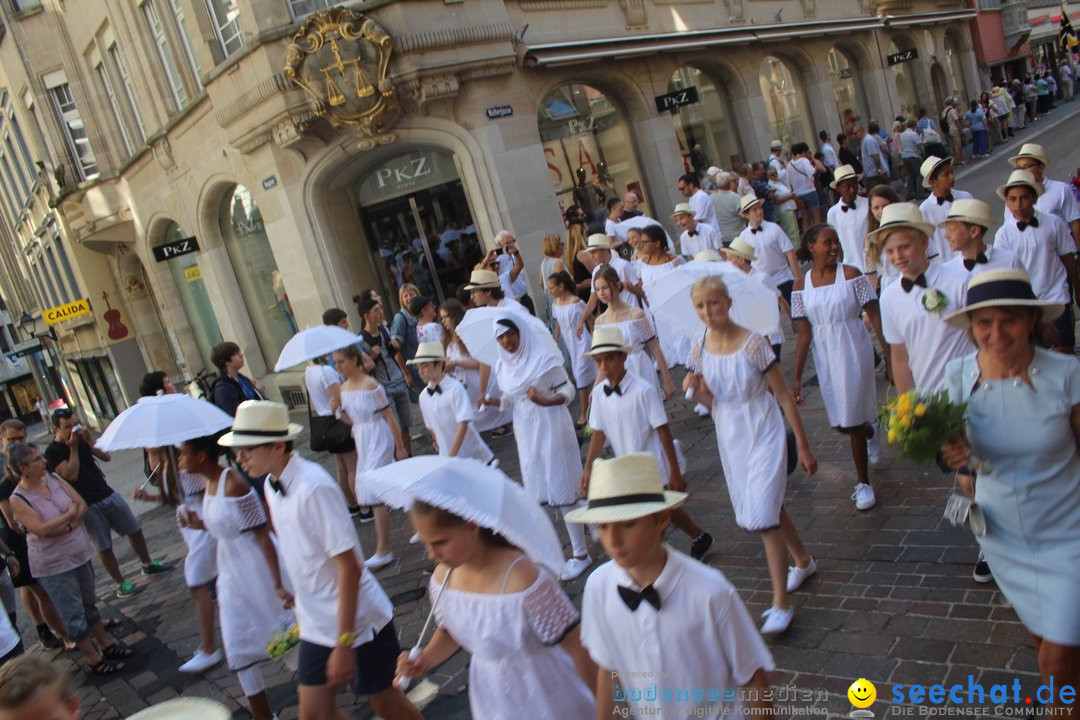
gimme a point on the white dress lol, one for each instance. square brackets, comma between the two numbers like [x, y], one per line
[517, 667]
[843, 354]
[674, 344]
[200, 563]
[548, 451]
[431, 332]
[749, 430]
[568, 316]
[372, 434]
[488, 417]
[636, 334]
[249, 610]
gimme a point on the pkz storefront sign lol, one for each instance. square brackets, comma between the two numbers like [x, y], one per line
[409, 171]
[176, 248]
[674, 100]
[65, 312]
[903, 57]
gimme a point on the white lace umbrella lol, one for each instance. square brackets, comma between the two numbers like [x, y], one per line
[163, 421]
[476, 492]
[752, 304]
[312, 343]
[477, 331]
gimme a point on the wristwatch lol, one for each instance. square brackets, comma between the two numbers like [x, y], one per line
[346, 639]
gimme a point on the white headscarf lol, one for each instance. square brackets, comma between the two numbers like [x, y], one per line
[518, 371]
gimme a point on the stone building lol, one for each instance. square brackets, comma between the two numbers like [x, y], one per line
[220, 178]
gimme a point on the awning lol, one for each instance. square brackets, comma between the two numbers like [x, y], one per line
[615, 48]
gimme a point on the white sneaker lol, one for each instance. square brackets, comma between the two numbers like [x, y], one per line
[796, 575]
[376, 562]
[873, 448]
[573, 567]
[201, 662]
[777, 620]
[863, 496]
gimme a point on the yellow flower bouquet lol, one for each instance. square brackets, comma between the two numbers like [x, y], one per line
[921, 423]
[282, 642]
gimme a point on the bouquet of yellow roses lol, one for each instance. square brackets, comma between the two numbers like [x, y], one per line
[282, 642]
[921, 423]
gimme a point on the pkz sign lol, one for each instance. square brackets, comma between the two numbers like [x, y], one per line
[903, 57]
[176, 248]
[672, 101]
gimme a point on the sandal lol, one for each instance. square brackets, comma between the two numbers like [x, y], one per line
[117, 651]
[107, 667]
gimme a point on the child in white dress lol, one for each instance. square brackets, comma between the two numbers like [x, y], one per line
[466, 370]
[567, 309]
[734, 371]
[519, 625]
[377, 436]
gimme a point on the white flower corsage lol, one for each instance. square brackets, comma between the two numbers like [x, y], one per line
[934, 300]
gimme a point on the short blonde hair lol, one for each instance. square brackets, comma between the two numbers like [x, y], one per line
[401, 294]
[551, 245]
[710, 282]
[25, 675]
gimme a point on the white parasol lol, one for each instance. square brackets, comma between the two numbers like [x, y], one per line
[312, 343]
[753, 305]
[163, 421]
[477, 331]
[637, 223]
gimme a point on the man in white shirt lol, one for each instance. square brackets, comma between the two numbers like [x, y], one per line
[725, 201]
[938, 176]
[690, 188]
[511, 270]
[773, 248]
[801, 171]
[345, 618]
[1057, 197]
[875, 171]
[911, 154]
[776, 161]
[849, 216]
[831, 160]
[696, 236]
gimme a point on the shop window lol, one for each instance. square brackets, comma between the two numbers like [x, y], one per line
[905, 84]
[187, 278]
[847, 87]
[785, 103]
[707, 135]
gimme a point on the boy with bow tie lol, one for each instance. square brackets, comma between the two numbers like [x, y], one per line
[626, 411]
[651, 607]
[774, 251]
[920, 342]
[849, 216]
[696, 236]
[965, 230]
[938, 175]
[444, 403]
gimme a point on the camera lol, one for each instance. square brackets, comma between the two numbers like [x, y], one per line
[500, 251]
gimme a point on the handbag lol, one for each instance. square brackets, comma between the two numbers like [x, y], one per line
[329, 434]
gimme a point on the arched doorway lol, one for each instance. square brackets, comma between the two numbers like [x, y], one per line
[847, 86]
[706, 131]
[190, 290]
[418, 223]
[260, 282]
[588, 147]
[941, 91]
[907, 99]
[785, 102]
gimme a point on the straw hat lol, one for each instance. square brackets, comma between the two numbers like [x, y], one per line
[741, 248]
[1001, 288]
[709, 255]
[776, 145]
[598, 241]
[901, 215]
[428, 352]
[929, 167]
[842, 173]
[258, 422]
[625, 488]
[748, 201]
[969, 210]
[1030, 150]
[683, 209]
[608, 338]
[1020, 178]
[184, 708]
[483, 280]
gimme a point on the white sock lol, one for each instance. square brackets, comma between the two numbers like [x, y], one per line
[576, 531]
[251, 680]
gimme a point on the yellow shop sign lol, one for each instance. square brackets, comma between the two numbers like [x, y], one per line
[65, 312]
[193, 273]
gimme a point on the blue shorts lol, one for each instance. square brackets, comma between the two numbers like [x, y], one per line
[376, 662]
[105, 516]
[811, 199]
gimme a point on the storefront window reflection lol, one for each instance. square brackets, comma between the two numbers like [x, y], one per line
[847, 86]
[905, 85]
[587, 146]
[704, 129]
[187, 277]
[785, 102]
[957, 86]
[261, 283]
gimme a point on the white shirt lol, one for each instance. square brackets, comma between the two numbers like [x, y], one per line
[851, 229]
[934, 214]
[609, 229]
[318, 379]
[9, 636]
[872, 159]
[706, 237]
[702, 207]
[996, 259]
[511, 288]
[774, 161]
[444, 410]
[626, 273]
[831, 161]
[1040, 249]
[629, 420]
[314, 527]
[776, 336]
[931, 343]
[702, 637]
[800, 175]
[1057, 199]
[770, 246]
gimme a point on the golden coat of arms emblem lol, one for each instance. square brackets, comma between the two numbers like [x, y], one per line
[341, 58]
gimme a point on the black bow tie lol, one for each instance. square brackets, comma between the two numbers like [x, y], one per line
[608, 389]
[1033, 222]
[941, 200]
[633, 598]
[971, 263]
[845, 208]
[275, 485]
[691, 233]
[755, 231]
[433, 390]
[908, 284]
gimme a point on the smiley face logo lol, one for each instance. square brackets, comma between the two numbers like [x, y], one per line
[862, 693]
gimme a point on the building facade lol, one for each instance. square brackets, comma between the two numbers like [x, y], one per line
[228, 169]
